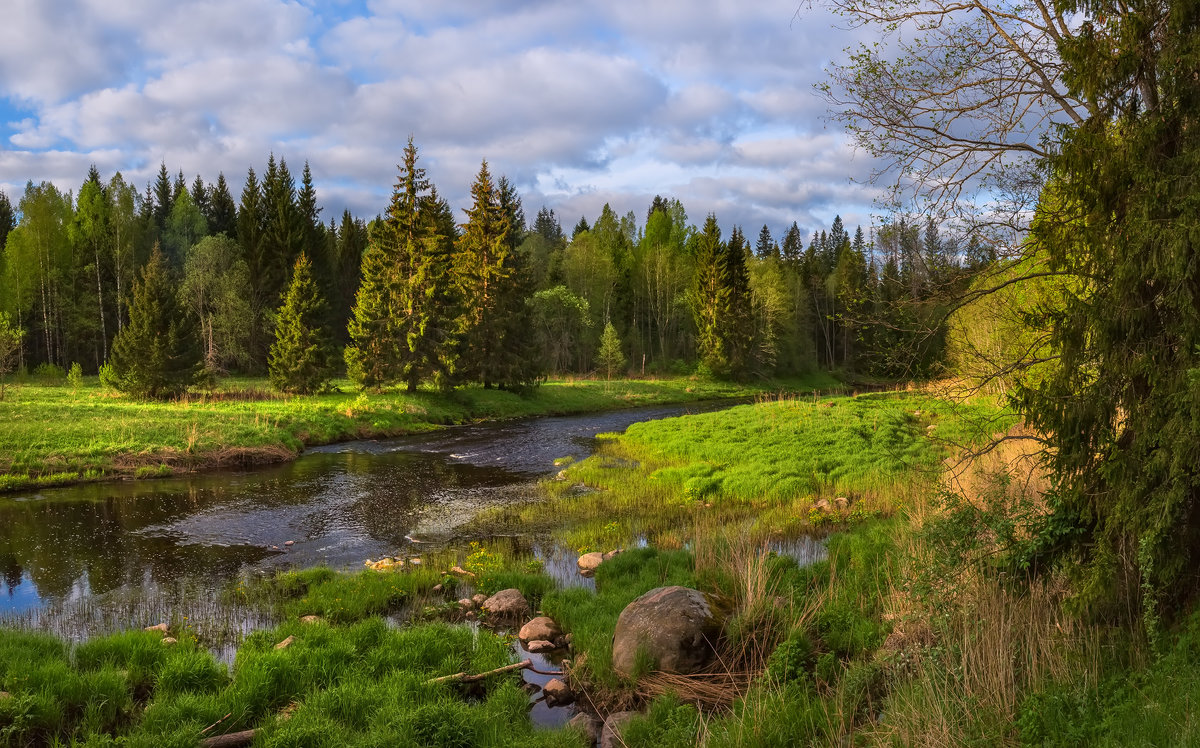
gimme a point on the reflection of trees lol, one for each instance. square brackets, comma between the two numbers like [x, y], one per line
[95, 537]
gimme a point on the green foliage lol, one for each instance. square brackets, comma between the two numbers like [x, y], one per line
[1121, 408]
[75, 376]
[156, 355]
[10, 348]
[300, 359]
[216, 292]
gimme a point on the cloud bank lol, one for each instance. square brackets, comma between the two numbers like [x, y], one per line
[579, 104]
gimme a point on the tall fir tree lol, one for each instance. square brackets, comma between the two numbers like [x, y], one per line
[157, 354]
[709, 297]
[483, 276]
[736, 312]
[163, 199]
[301, 358]
[222, 210]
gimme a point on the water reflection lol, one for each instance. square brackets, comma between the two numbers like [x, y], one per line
[337, 505]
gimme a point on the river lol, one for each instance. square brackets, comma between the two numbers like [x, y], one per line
[110, 547]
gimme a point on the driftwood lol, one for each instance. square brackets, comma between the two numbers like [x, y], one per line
[464, 678]
[234, 739]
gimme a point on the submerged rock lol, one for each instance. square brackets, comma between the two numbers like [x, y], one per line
[541, 627]
[507, 604]
[675, 626]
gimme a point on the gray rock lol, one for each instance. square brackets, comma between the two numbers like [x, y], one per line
[557, 692]
[588, 725]
[541, 627]
[675, 626]
[508, 604]
[540, 646]
[610, 734]
[589, 561]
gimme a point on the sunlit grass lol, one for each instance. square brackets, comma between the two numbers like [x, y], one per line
[52, 434]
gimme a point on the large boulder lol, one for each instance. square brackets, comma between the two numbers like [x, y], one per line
[541, 627]
[675, 626]
[506, 604]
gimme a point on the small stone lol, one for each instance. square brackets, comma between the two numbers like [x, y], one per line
[274, 547]
[169, 640]
[290, 543]
[610, 734]
[470, 615]
[530, 688]
[310, 619]
[557, 692]
[437, 588]
[162, 627]
[589, 725]
[5, 695]
[466, 603]
[841, 502]
[479, 599]
[539, 628]
[415, 561]
[286, 643]
[589, 561]
[461, 572]
[822, 505]
[539, 646]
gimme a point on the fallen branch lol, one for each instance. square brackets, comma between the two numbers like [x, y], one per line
[464, 678]
[232, 740]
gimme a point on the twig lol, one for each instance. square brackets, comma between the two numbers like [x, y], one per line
[214, 724]
[464, 678]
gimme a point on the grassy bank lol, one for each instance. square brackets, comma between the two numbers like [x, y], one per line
[908, 633]
[54, 434]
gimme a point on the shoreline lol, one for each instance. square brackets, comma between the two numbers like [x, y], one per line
[283, 427]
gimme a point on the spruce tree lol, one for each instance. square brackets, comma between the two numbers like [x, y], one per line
[300, 360]
[610, 355]
[482, 274]
[222, 210]
[157, 353]
[372, 358]
[709, 294]
[163, 199]
[736, 317]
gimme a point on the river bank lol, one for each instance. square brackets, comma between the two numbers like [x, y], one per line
[54, 434]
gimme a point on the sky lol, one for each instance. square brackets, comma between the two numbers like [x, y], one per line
[578, 103]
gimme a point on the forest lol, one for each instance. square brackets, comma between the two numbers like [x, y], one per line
[413, 296]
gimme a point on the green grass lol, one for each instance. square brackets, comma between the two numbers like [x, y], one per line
[359, 685]
[762, 467]
[53, 434]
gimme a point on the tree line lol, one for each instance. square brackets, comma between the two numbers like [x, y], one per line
[414, 296]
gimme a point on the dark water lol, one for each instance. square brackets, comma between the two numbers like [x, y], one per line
[104, 545]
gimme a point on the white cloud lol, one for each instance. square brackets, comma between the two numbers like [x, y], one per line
[578, 103]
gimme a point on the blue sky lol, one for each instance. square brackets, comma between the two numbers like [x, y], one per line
[578, 103]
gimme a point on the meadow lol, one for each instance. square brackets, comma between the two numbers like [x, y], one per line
[905, 633]
[54, 433]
